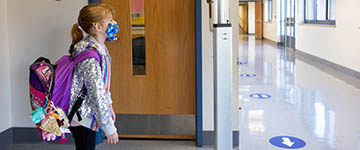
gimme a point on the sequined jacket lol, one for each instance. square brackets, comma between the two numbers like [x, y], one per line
[94, 110]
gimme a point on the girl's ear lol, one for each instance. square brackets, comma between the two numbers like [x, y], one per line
[96, 27]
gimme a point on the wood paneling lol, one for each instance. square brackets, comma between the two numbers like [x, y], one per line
[259, 19]
[243, 17]
[169, 84]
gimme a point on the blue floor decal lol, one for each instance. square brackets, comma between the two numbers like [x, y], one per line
[247, 75]
[260, 96]
[287, 142]
[242, 63]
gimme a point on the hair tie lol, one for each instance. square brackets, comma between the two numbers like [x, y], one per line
[78, 23]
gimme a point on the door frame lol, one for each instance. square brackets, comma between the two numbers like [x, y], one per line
[198, 72]
[94, 1]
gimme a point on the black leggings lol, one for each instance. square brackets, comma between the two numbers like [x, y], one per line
[84, 138]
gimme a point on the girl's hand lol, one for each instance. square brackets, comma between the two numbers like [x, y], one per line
[113, 139]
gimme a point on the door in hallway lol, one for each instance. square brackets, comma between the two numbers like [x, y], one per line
[287, 23]
[259, 20]
[243, 17]
[153, 68]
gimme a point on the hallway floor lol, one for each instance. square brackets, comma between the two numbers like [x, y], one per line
[302, 99]
[122, 145]
[308, 101]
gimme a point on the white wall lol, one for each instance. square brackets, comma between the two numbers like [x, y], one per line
[251, 14]
[207, 61]
[272, 29]
[36, 28]
[5, 107]
[338, 44]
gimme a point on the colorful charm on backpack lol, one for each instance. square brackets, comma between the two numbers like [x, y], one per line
[38, 115]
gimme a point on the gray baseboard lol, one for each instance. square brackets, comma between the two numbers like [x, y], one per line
[31, 135]
[148, 124]
[209, 138]
[178, 125]
[25, 135]
[348, 75]
[6, 138]
[18, 135]
[22, 135]
[271, 42]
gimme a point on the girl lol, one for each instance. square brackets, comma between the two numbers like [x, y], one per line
[93, 77]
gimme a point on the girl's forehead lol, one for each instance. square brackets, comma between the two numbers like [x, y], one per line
[109, 16]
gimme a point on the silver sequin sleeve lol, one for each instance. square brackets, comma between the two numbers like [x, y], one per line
[109, 98]
[97, 100]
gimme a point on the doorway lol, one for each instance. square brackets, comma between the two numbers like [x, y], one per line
[155, 98]
[287, 23]
[243, 18]
[259, 23]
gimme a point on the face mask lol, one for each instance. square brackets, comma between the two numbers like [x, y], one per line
[111, 31]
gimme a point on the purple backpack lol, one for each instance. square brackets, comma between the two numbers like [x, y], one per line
[52, 83]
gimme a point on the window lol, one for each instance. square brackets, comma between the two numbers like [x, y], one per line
[320, 11]
[137, 16]
[268, 7]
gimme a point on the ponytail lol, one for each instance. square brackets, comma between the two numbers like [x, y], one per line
[76, 35]
[88, 16]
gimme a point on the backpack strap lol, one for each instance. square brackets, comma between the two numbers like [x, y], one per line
[77, 105]
[89, 53]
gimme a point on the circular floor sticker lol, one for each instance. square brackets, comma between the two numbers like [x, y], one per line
[242, 63]
[287, 142]
[260, 96]
[247, 75]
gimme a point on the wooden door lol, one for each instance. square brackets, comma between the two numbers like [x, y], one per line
[259, 19]
[243, 14]
[168, 88]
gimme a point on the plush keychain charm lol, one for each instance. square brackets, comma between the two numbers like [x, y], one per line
[38, 115]
[47, 137]
[50, 125]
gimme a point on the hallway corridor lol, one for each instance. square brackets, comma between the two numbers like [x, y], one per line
[305, 100]
[308, 101]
